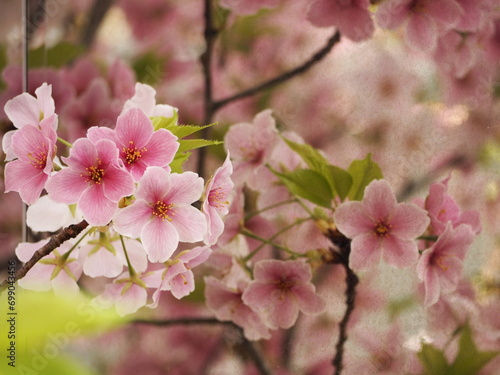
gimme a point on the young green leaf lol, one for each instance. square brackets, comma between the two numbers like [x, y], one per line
[181, 131]
[433, 360]
[191, 144]
[179, 160]
[56, 57]
[342, 181]
[166, 122]
[362, 172]
[307, 184]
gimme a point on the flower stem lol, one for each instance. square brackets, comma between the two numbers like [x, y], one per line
[258, 212]
[64, 142]
[131, 270]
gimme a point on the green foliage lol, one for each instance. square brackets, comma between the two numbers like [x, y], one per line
[397, 306]
[469, 360]
[362, 172]
[338, 179]
[148, 68]
[307, 184]
[45, 327]
[185, 145]
[56, 57]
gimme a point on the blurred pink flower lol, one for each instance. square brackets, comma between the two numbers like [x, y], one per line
[178, 277]
[162, 214]
[140, 146]
[280, 290]
[442, 209]
[34, 146]
[440, 266]
[145, 98]
[58, 270]
[426, 19]
[379, 226]
[93, 179]
[250, 145]
[351, 17]
[227, 305]
[216, 200]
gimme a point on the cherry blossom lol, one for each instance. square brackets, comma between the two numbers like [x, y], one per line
[35, 148]
[227, 305]
[93, 179]
[280, 290]
[45, 215]
[216, 201]
[144, 98]
[350, 16]
[440, 266]
[140, 146]
[162, 214]
[60, 270]
[381, 227]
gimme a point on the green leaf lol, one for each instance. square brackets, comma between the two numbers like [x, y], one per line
[340, 180]
[181, 131]
[56, 57]
[469, 359]
[398, 306]
[191, 144]
[178, 162]
[307, 184]
[433, 360]
[362, 172]
[149, 68]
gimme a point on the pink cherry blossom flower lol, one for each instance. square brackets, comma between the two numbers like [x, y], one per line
[35, 148]
[350, 16]
[45, 215]
[280, 290]
[425, 20]
[440, 266]
[250, 145]
[442, 209]
[162, 214]
[58, 270]
[140, 146]
[144, 98]
[216, 201]
[93, 179]
[227, 305]
[381, 227]
[178, 277]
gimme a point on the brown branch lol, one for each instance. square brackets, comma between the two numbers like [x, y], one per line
[181, 321]
[342, 257]
[317, 57]
[96, 16]
[54, 242]
[210, 34]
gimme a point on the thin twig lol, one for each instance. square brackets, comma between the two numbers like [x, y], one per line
[96, 16]
[317, 57]
[181, 321]
[210, 34]
[254, 354]
[342, 257]
[54, 242]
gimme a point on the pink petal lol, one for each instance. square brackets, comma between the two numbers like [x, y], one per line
[356, 24]
[189, 223]
[45, 101]
[64, 284]
[26, 141]
[83, 154]
[365, 252]
[96, 133]
[117, 184]
[258, 295]
[102, 263]
[7, 145]
[421, 33]
[182, 285]
[379, 200]
[215, 226]
[160, 239]
[133, 299]
[144, 98]
[161, 148]
[23, 110]
[352, 219]
[38, 278]
[154, 185]
[284, 313]
[392, 13]
[133, 126]
[96, 208]
[25, 250]
[432, 287]
[27, 180]
[186, 188]
[107, 152]
[66, 186]
[399, 252]
[409, 221]
[447, 12]
[129, 221]
[307, 299]
[320, 13]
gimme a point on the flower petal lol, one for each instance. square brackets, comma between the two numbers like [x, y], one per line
[160, 239]
[96, 208]
[365, 252]
[399, 252]
[189, 222]
[129, 221]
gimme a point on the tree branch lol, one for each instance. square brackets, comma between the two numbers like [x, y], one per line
[54, 242]
[317, 57]
[342, 257]
[96, 16]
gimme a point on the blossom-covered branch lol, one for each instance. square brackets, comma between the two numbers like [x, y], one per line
[54, 242]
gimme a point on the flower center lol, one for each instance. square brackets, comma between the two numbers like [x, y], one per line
[39, 157]
[382, 229]
[418, 6]
[217, 198]
[284, 286]
[132, 154]
[163, 210]
[95, 173]
[440, 261]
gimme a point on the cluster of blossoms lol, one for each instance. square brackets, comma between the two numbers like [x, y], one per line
[119, 181]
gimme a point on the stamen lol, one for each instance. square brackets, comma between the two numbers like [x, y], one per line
[382, 229]
[94, 173]
[132, 154]
[163, 210]
[39, 157]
